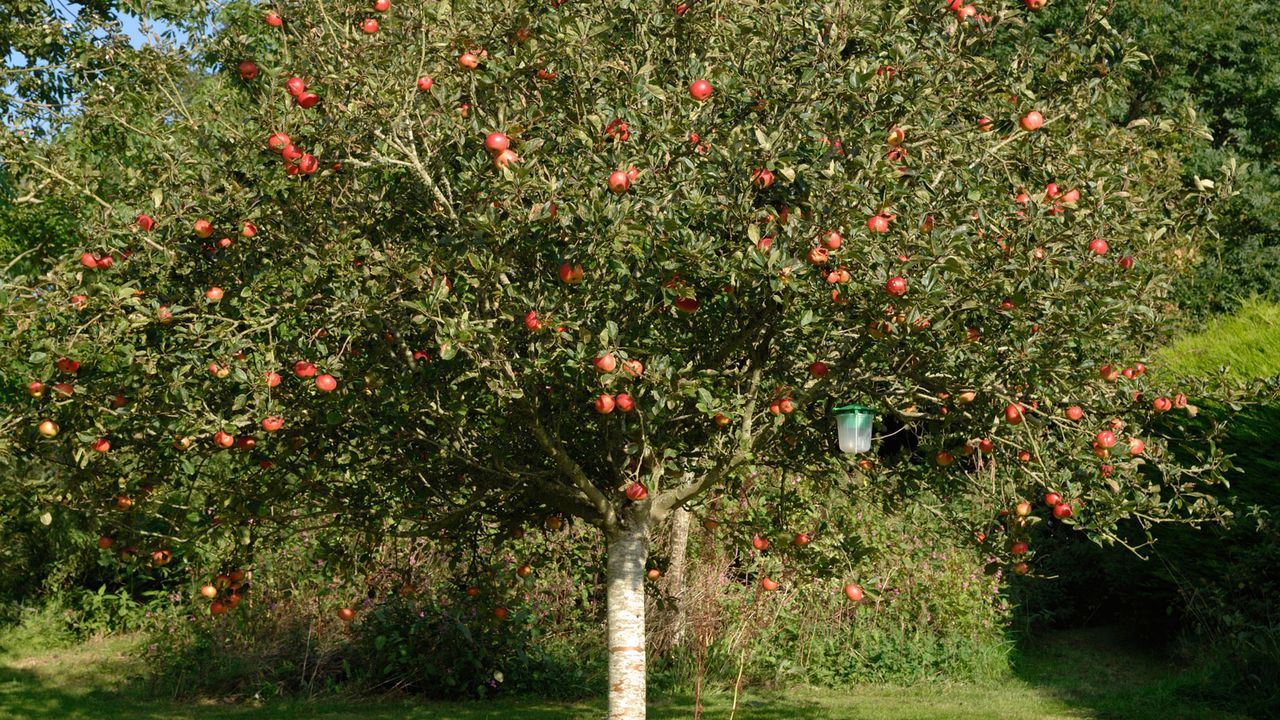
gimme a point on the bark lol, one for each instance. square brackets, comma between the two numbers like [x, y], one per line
[676, 571]
[628, 550]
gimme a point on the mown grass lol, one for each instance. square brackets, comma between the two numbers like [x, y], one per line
[1077, 675]
[1247, 343]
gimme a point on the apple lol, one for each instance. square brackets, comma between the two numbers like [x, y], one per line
[469, 61]
[1136, 447]
[653, 573]
[1105, 439]
[233, 600]
[145, 222]
[1022, 509]
[1180, 401]
[1107, 372]
[764, 244]
[203, 228]
[223, 440]
[346, 614]
[304, 369]
[47, 428]
[571, 274]
[700, 90]
[496, 142]
[290, 152]
[248, 69]
[472, 591]
[1074, 413]
[273, 18]
[524, 571]
[1162, 404]
[604, 404]
[501, 613]
[181, 443]
[1018, 548]
[1052, 499]
[1034, 4]
[1032, 121]
[832, 240]
[213, 294]
[853, 592]
[619, 181]
[818, 369]
[637, 492]
[687, 304]
[369, 25]
[759, 543]
[1126, 262]
[878, 224]
[105, 542]
[722, 420]
[217, 608]
[625, 402]
[944, 458]
[101, 445]
[123, 502]
[218, 370]
[63, 390]
[89, 260]
[553, 522]
[1062, 511]
[897, 136]
[308, 100]
[1098, 246]
[425, 82]
[605, 363]
[897, 286]
[818, 255]
[768, 584]
[1013, 414]
[272, 378]
[762, 178]
[161, 557]
[382, 5]
[35, 389]
[272, 423]
[326, 383]
[1021, 568]
[801, 539]
[1140, 368]
[633, 368]
[985, 125]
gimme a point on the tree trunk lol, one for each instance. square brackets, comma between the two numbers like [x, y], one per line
[628, 550]
[676, 571]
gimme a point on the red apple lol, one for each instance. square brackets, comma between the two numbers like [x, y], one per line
[1098, 246]
[223, 440]
[326, 383]
[897, 286]
[346, 614]
[308, 100]
[818, 255]
[369, 25]
[101, 445]
[878, 224]
[304, 369]
[604, 404]
[700, 90]
[1136, 447]
[1108, 372]
[619, 182]
[944, 458]
[1162, 404]
[625, 402]
[653, 573]
[1075, 412]
[425, 82]
[213, 294]
[818, 369]
[47, 428]
[1105, 439]
[505, 158]
[217, 608]
[382, 5]
[248, 69]
[35, 389]
[1034, 4]
[273, 18]
[496, 142]
[469, 61]
[1062, 511]
[203, 228]
[571, 274]
[1013, 414]
[1021, 568]
[637, 492]
[290, 152]
[1126, 262]
[768, 584]
[1018, 548]
[272, 423]
[633, 368]
[531, 321]
[1052, 499]
[272, 378]
[687, 304]
[762, 178]
[853, 592]
[501, 613]
[1032, 121]
[68, 366]
[759, 543]
[1180, 401]
[801, 539]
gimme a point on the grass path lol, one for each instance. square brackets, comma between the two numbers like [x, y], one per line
[1080, 675]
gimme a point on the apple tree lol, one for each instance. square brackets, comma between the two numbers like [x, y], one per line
[445, 269]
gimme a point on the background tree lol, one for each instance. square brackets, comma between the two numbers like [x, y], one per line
[446, 305]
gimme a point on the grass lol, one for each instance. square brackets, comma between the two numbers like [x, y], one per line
[1246, 343]
[1077, 675]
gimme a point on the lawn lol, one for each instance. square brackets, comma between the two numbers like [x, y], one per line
[1247, 343]
[1078, 674]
